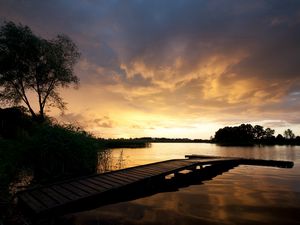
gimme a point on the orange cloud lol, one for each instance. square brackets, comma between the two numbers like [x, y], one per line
[151, 70]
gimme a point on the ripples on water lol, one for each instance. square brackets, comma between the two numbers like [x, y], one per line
[243, 195]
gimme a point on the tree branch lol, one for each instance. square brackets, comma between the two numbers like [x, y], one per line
[23, 96]
[50, 88]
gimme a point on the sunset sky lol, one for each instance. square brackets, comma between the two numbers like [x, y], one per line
[175, 68]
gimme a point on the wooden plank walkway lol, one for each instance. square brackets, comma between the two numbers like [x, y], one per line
[245, 161]
[54, 197]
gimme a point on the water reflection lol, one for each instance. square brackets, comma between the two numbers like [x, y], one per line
[106, 161]
[177, 182]
[243, 195]
[164, 151]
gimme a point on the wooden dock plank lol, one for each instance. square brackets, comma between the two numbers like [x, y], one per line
[107, 182]
[164, 169]
[94, 186]
[173, 165]
[132, 174]
[100, 183]
[145, 174]
[115, 180]
[120, 178]
[146, 171]
[34, 204]
[243, 161]
[47, 198]
[110, 181]
[125, 177]
[141, 175]
[65, 192]
[178, 163]
[83, 187]
[58, 197]
[75, 190]
[159, 169]
[273, 163]
[160, 165]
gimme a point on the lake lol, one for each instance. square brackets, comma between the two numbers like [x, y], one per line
[243, 195]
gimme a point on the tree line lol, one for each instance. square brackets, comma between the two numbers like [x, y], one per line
[246, 134]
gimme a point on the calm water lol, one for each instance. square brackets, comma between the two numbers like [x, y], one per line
[243, 195]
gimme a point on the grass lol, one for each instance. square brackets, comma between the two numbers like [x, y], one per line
[35, 153]
[51, 151]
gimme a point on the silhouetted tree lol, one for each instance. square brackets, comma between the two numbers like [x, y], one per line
[241, 135]
[246, 134]
[258, 132]
[31, 63]
[269, 133]
[288, 134]
[297, 140]
[279, 137]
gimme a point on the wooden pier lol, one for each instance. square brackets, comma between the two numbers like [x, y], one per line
[55, 198]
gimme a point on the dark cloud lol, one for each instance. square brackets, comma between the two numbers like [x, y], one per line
[156, 32]
[238, 59]
[273, 57]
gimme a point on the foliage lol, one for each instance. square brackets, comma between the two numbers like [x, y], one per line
[124, 143]
[31, 63]
[10, 162]
[288, 134]
[51, 151]
[246, 134]
[61, 151]
[241, 135]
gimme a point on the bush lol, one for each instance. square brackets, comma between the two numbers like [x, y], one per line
[51, 151]
[10, 158]
[57, 151]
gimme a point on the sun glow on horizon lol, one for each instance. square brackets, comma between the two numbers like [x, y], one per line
[169, 71]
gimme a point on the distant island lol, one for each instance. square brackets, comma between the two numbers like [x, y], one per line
[242, 135]
[248, 135]
[171, 140]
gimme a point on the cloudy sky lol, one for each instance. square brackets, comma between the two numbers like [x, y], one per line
[175, 68]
